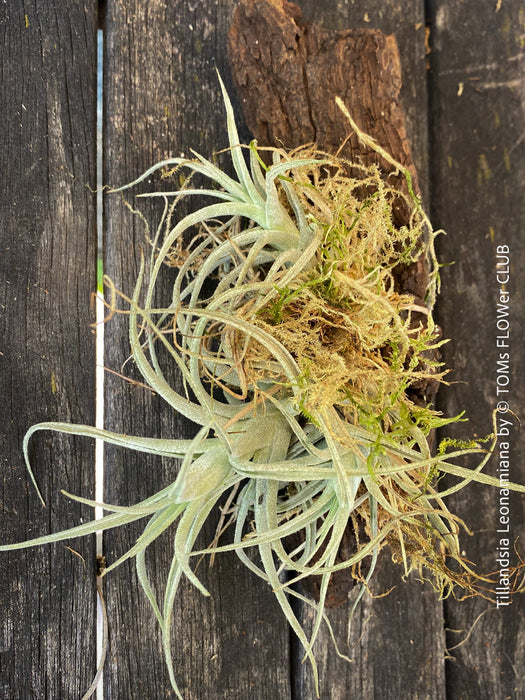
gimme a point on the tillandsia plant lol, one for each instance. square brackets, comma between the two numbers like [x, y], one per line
[297, 352]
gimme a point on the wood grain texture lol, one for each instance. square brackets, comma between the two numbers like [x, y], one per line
[162, 97]
[288, 73]
[406, 22]
[478, 178]
[47, 276]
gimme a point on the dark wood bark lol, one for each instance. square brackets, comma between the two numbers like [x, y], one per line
[288, 74]
[478, 112]
[47, 363]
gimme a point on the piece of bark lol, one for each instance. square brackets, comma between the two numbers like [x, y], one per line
[288, 75]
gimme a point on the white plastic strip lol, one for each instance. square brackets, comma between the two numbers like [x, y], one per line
[99, 374]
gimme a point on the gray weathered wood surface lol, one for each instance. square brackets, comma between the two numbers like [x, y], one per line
[464, 104]
[477, 100]
[47, 276]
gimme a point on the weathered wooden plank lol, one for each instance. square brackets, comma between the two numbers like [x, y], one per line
[161, 98]
[478, 178]
[47, 276]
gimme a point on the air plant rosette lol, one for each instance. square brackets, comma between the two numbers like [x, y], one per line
[297, 353]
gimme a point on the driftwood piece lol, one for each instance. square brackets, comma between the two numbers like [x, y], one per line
[288, 74]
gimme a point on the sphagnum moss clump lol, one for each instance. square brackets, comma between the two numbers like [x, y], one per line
[297, 352]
